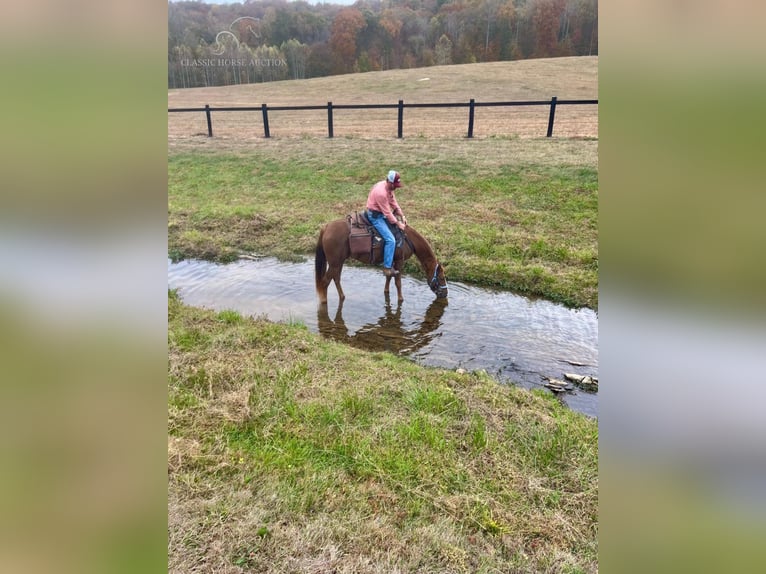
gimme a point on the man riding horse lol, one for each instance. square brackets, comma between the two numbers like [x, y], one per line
[334, 245]
[382, 209]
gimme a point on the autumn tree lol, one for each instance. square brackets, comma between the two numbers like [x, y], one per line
[345, 29]
[546, 18]
[326, 38]
[297, 57]
[371, 44]
[443, 51]
[319, 61]
[507, 27]
[392, 45]
[490, 9]
[248, 30]
[585, 27]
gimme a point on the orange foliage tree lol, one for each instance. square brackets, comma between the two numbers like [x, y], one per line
[546, 19]
[345, 29]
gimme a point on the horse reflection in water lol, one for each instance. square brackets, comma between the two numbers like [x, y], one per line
[388, 333]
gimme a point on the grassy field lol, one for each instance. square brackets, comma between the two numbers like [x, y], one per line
[524, 80]
[291, 453]
[511, 211]
[502, 213]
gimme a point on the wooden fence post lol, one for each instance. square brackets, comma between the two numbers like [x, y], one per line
[401, 119]
[209, 121]
[265, 111]
[470, 118]
[329, 119]
[551, 115]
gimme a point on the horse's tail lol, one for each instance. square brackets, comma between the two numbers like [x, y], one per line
[320, 262]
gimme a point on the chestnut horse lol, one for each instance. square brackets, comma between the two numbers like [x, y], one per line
[333, 248]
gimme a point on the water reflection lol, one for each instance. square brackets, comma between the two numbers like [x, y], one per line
[388, 333]
[514, 338]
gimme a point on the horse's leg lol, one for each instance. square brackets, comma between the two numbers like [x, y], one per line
[333, 274]
[388, 283]
[336, 278]
[322, 288]
[332, 251]
[398, 281]
[320, 269]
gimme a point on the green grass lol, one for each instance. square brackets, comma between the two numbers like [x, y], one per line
[498, 212]
[291, 452]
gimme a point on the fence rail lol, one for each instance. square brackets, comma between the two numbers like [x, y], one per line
[400, 106]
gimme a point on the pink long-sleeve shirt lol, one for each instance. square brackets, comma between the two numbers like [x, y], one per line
[380, 199]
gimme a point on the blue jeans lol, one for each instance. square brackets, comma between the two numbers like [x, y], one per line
[380, 223]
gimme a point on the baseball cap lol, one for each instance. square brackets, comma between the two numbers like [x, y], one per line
[393, 177]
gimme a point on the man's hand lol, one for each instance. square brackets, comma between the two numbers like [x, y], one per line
[401, 225]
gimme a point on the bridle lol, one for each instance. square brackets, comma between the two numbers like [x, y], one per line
[433, 283]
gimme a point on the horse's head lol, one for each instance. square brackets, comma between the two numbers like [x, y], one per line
[438, 282]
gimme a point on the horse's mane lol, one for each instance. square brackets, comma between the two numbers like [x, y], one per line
[422, 248]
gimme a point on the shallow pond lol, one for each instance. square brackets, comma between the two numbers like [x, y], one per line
[513, 338]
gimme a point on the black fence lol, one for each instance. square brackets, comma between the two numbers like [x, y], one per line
[471, 105]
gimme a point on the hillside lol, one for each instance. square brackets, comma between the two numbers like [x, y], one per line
[521, 80]
[324, 39]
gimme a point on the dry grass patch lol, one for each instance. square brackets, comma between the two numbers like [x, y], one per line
[574, 78]
[481, 155]
[346, 461]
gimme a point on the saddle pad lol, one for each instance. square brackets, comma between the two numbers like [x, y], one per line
[363, 246]
[365, 242]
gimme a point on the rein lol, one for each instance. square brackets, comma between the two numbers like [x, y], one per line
[433, 283]
[407, 239]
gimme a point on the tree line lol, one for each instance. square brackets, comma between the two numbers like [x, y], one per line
[266, 40]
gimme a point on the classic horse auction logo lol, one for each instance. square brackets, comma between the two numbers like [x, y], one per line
[248, 31]
[244, 32]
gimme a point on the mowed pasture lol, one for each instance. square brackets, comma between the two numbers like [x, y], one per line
[573, 78]
[288, 452]
[514, 212]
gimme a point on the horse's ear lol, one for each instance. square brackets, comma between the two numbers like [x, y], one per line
[444, 264]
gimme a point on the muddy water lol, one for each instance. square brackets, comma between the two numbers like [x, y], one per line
[513, 338]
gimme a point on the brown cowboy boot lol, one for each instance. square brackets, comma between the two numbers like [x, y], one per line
[390, 272]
